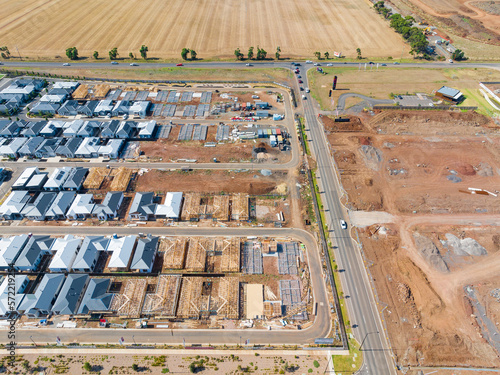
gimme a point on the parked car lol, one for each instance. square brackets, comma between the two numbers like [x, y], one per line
[299, 76]
[301, 88]
[343, 224]
[307, 89]
[180, 64]
[300, 81]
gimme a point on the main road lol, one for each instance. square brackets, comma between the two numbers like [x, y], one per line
[320, 328]
[363, 313]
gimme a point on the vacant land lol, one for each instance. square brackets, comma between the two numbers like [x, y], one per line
[214, 29]
[381, 83]
[435, 238]
[210, 181]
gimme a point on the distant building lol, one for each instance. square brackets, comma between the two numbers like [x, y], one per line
[450, 94]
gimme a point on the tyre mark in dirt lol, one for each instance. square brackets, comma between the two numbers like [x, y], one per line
[28, 12]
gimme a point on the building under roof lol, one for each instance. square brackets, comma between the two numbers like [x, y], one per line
[145, 254]
[122, 249]
[71, 294]
[65, 250]
[40, 303]
[10, 249]
[171, 208]
[450, 94]
[96, 298]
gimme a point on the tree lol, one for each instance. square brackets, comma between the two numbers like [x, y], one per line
[278, 53]
[193, 54]
[131, 55]
[318, 55]
[327, 55]
[5, 52]
[96, 55]
[261, 53]
[113, 54]
[250, 53]
[144, 51]
[135, 367]
[72, 53]
[87, 366]
[184, 53]
[238, 54]
[458, 55]
[358, 51]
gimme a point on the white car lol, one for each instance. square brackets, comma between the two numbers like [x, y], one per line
[329, 64]
[343, 224]
[304, 97]
[309, 62]
[248, 64]
[315, 64]
[114, 63]
[450, 61]
[66, 64]
[134, 64]
[307, 89]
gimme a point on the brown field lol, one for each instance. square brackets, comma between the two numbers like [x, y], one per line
[420, 283]
[212, 28]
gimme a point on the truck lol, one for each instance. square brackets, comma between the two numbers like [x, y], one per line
[272, 140]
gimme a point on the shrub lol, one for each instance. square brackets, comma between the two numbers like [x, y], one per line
[316, 364]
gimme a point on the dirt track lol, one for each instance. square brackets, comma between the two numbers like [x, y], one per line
[213, 28]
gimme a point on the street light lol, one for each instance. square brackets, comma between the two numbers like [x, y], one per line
[369, 333]
[133, 339]
[31, 338]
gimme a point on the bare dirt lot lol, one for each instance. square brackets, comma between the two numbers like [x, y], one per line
[213, 29]
[441, 238]
[210, 181]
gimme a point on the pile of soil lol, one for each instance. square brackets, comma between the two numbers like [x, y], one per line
[430, 252]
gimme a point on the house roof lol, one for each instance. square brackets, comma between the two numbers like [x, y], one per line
[69, 296]
[60, 204]
[19, 285]
[89, 146]
[144, 253]
[450, 92]
[15, 202]
[70, 105]
[59, 91]
[121, 105]
[89, 106]
[110, 204]
[72, 127]
[104, 106]
[45, 107]
[95, 297]
[138, 107]
[88, 128]
[71, 85]
[66, 249]
[140, 201]
[122, 251]
[10, 248]
[57, 178]
[40, 205]
[25, 176]
[109, 128]
[172, 206]
[125, 128]
[48, 146]
[112, 147]
[12, 145]
[37, 181]
[147, 128]
[69, 146]
[45, 294]
[76, 178]
[53, 98]
[33, 128]
[82, 205]
[32, 250]
[89, 251]
[31, 145]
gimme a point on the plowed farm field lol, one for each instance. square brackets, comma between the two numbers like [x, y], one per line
[213, 28]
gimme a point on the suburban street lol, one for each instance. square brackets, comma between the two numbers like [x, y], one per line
[362, 310]
[320, 328]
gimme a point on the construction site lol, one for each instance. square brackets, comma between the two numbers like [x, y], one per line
[422, 189]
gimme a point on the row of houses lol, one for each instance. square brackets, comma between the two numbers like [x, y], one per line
[52, 104]
[24, 253]
[76, 294]
[18, 93]
[68, 205]
[64, 178]
[77, 128]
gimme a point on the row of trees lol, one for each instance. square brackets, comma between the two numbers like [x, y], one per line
[72, 53]
[261, 54]
[414, 35]
[381, 9]
[5, 52]
[186, 51]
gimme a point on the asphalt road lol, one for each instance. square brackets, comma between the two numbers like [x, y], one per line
[361, 306]
[233, 65]
[320, 328]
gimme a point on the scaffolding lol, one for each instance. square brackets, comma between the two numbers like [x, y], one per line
[229, 295]
[239, 207]
[230, 254]
[129, 303]
[95, 178]
[174, 253]
[196, 258]
[164, 301]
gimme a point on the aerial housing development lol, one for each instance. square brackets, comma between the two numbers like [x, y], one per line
[255, 191]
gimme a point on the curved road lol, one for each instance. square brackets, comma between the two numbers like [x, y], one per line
[320, 328]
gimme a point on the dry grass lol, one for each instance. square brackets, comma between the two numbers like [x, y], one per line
[213, 29]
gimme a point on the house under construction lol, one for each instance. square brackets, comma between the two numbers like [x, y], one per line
[129, 303]
[163, 302]
[174, 252]
[215, 207]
